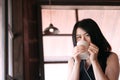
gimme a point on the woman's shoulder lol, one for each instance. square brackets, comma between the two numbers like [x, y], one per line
[113, 57]
[112, 68]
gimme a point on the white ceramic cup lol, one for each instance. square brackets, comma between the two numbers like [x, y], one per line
[85, 54]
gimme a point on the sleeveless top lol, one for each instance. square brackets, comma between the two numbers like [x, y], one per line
[87, 74]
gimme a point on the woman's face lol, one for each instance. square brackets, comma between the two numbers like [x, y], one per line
[82, 35]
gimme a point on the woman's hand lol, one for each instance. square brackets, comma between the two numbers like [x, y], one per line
[77, 51]
[93, 51]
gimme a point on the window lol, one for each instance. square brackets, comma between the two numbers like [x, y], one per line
[58, 48]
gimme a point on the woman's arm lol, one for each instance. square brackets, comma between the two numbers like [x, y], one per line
[74, 63]
[73, 70]
[112, 69]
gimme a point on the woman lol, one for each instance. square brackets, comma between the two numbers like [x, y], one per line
[102, 64]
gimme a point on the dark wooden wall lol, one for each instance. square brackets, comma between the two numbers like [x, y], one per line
[31, 41]
[25, 29]
[17, 22]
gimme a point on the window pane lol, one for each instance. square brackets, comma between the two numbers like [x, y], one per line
[57, 48]
[64, 20]
[56, 71]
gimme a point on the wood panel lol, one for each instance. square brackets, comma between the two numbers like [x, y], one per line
[31, 46]
[17, 39]
[81, 2]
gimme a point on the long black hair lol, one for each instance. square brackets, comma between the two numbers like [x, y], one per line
[97, 38]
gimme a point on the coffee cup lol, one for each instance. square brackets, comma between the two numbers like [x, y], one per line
[85, 54]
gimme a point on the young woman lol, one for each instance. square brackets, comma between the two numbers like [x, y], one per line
[102, 64]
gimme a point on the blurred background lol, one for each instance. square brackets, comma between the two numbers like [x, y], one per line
[35, 35]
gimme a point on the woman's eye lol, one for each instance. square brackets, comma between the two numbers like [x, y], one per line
[78, 36]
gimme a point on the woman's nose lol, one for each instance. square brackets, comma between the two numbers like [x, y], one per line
[83, 38]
